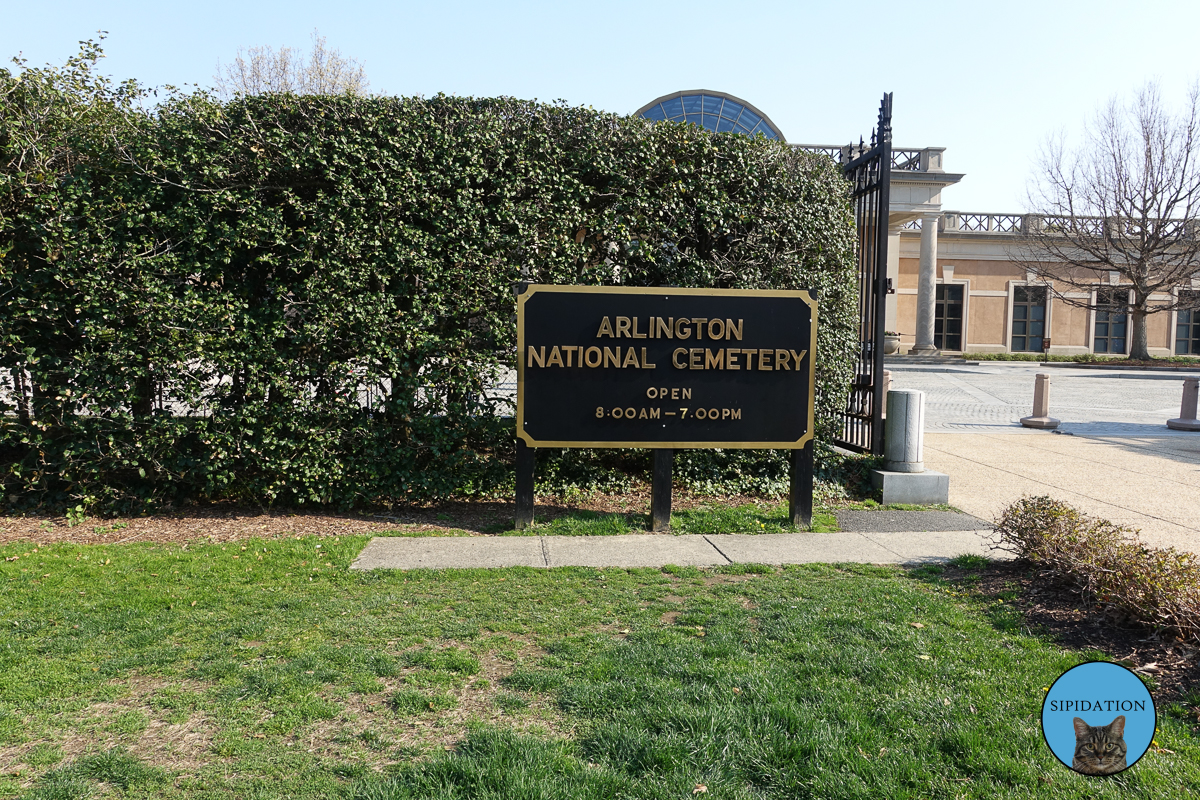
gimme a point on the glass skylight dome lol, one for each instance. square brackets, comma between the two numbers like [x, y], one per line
[715, 111]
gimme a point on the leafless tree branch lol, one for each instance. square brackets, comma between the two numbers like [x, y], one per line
[1124, 202]
[265, 70]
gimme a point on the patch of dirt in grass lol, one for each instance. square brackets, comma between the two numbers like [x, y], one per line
[370, 732]
[179, 746]
[227, 523]
[711, 579]
[1055, 609]
[367, 730]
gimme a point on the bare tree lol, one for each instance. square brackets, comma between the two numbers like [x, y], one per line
[1120, 212]
[265, 70]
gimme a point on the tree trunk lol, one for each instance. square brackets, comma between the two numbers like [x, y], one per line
[1137, 347]
[143, 397]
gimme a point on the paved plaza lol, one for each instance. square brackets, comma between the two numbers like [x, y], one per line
[1112, 456]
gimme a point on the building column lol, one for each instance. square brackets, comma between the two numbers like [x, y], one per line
[891, 307]
[926, 287]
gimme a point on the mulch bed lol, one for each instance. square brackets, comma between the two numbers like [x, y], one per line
[227, 523]
[1055, 610]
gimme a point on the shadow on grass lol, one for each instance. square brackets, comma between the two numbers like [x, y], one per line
[580, 522]
[707, 519]
[963, 576]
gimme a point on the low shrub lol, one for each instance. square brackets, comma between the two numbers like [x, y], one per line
[1155, 586]
[1080, 358]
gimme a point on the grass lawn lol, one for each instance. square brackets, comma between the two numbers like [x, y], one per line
[266, 669]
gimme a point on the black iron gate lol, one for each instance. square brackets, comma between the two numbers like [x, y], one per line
[869, 170]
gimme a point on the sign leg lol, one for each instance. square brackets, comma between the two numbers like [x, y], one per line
[660, 491]
[800, 507]
[525, 460]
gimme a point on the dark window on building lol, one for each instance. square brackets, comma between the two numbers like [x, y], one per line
[1029, 318]
[948, 317]
[1112, 321]
[1187, 327]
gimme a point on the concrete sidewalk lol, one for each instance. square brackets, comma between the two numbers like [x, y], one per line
[656, 550]
[1112, 457]
[1151, 483]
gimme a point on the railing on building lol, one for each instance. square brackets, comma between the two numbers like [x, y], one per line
[981, 223]
[978, 222]
[904, 159]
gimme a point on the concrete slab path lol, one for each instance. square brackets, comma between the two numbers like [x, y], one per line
[656, 550]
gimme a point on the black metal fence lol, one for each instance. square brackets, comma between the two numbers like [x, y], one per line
[869, 172]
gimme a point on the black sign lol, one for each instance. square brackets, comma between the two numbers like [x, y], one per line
[631, 367]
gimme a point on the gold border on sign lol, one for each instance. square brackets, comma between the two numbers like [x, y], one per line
[533, 288]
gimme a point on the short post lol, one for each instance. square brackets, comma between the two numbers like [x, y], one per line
[1187, 410]
[904, 435]
[525, 464]
[904, 478]
[1041, 405]
[660, 490]
[800, 499]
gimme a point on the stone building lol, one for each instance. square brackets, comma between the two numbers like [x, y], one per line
[981, 301]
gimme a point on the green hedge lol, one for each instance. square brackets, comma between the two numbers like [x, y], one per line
[198, 302]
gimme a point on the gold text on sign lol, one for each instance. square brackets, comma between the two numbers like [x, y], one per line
[669, 328]
[591, 357]
[683, 412]
[736, 358]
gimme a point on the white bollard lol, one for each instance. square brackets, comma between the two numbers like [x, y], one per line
[1041, 405]
[1187, 410]
[904, 478]
[904, 434]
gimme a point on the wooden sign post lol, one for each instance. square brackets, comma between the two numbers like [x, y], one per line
[665, 369]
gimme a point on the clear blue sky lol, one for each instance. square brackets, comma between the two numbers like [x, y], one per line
[988, 81]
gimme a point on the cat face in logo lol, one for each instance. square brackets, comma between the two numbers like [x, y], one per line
[1100, 749]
